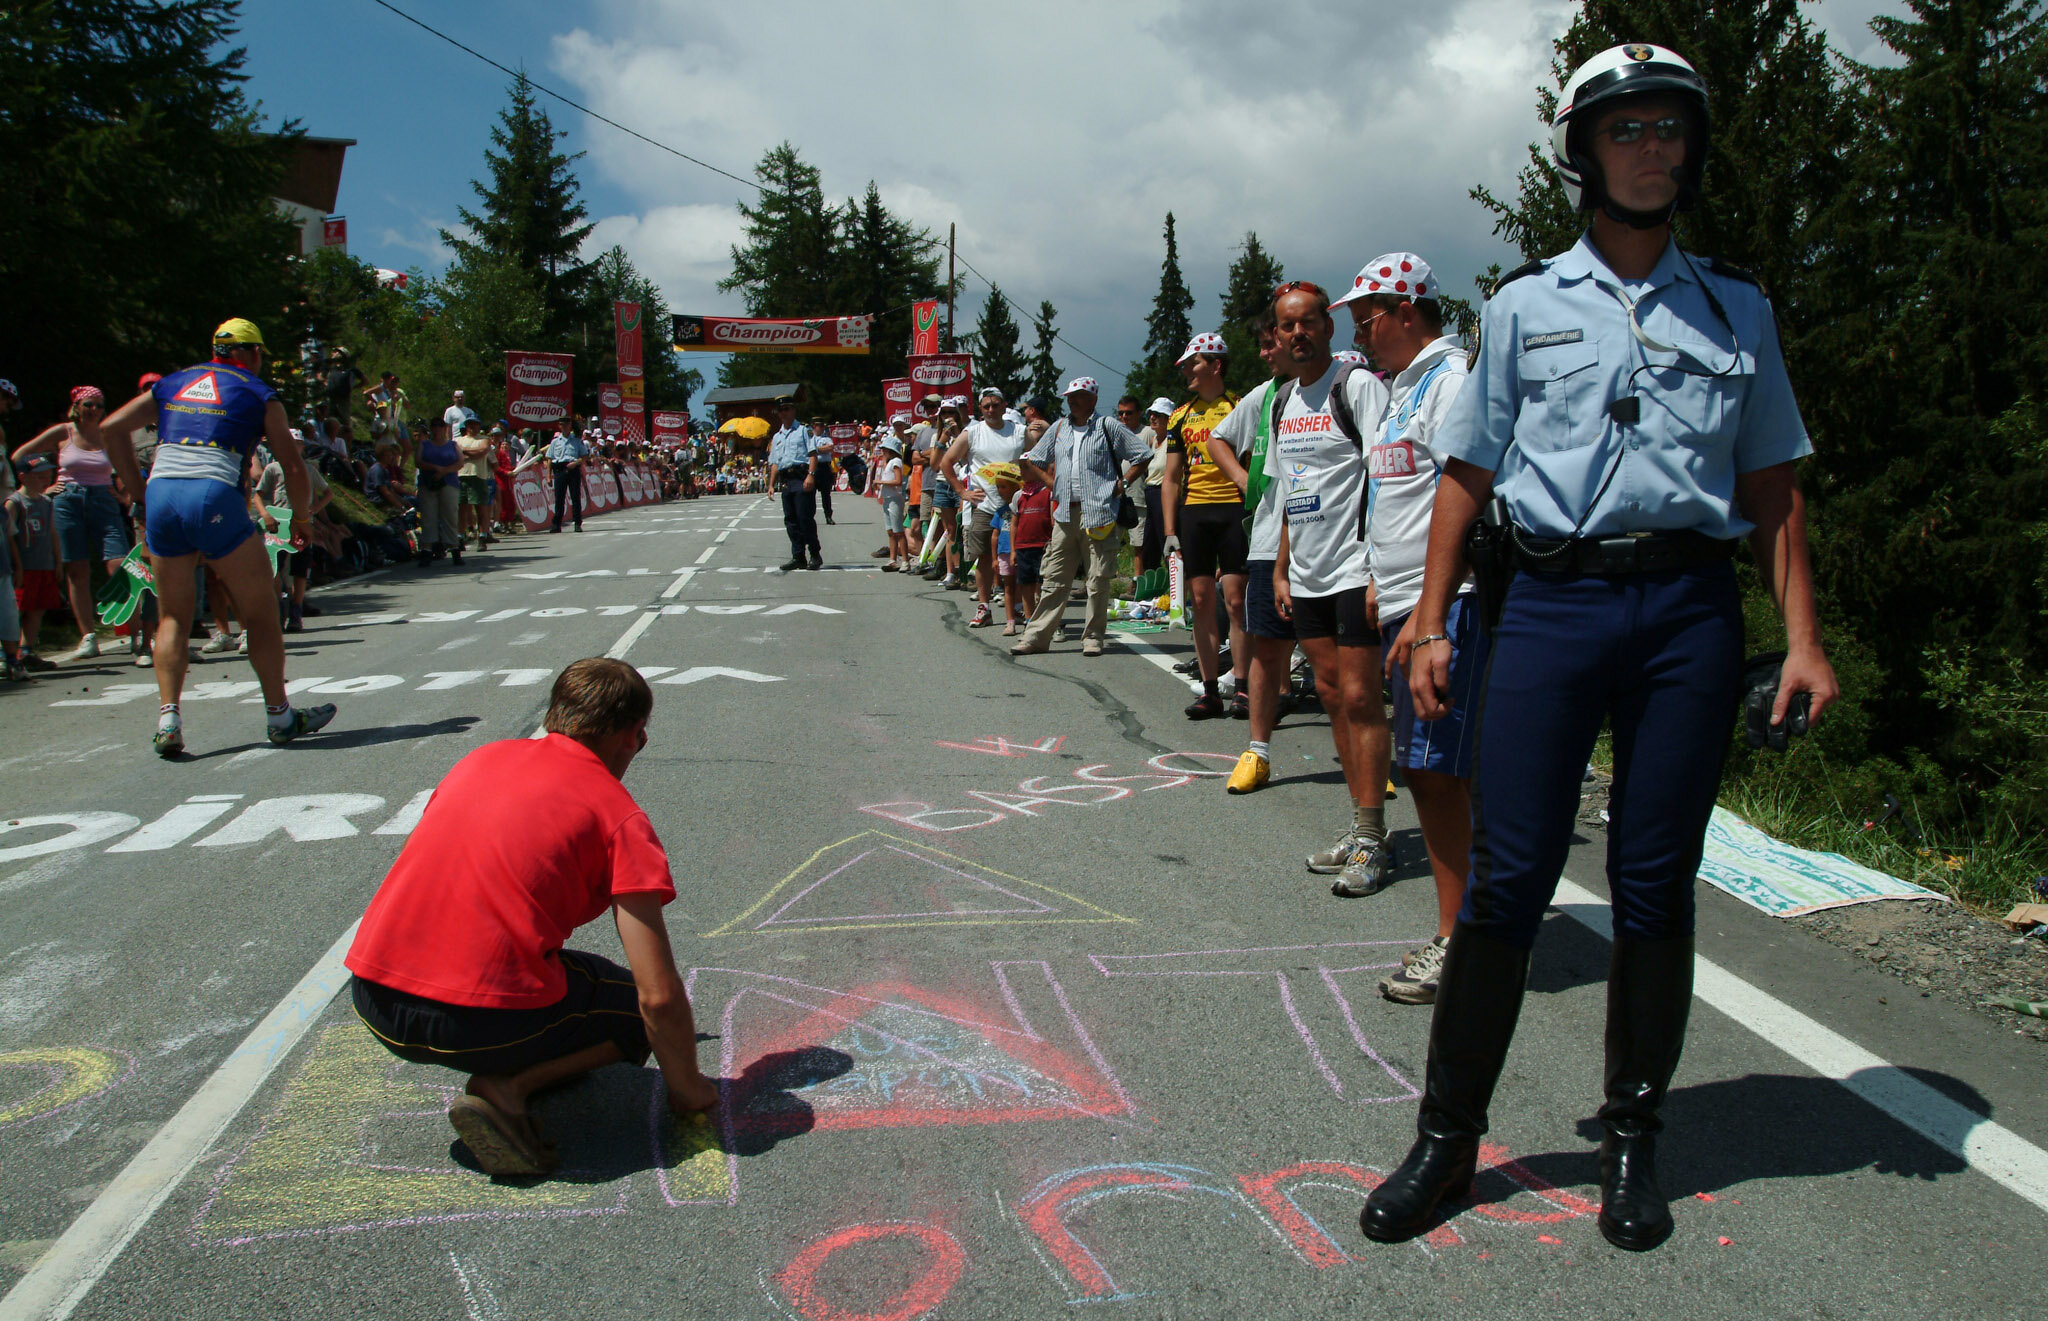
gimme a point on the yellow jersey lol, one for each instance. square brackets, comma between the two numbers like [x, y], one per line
[1187, 434]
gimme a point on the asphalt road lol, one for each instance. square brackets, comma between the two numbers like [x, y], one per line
[1017, 1009]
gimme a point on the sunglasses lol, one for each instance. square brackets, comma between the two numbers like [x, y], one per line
[1624, 131]
[1293, 285]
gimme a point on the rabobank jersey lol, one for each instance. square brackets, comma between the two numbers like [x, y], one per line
[209, 420]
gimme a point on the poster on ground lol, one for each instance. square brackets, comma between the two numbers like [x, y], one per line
[947, 373]
[537, 386]
[734, 334]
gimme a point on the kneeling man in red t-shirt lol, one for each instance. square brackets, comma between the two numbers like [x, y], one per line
[459, 961]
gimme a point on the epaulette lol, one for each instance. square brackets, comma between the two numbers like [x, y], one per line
[1526, 268]
[1720, 266]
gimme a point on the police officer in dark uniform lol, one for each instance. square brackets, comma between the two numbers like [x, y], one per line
[1630, 406]
[795, 467]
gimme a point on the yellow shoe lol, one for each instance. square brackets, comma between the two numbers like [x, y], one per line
[1251, 772]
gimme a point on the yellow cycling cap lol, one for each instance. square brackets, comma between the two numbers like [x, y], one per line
[237, 330]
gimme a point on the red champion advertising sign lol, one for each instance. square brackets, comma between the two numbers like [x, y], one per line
[611, 409]
[898, 396]
[537, 386]
[671, 428]
[942, 373]
[731, 334]
[845, 438]
[924, 327]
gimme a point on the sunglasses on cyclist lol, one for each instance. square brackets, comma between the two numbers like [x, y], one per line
[1624, 131]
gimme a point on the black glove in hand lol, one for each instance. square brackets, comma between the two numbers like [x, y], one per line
[1760, 694]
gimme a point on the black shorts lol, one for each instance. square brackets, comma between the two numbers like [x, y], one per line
[1341, 616]
[1212, 540]
[1262, 618]
[601, 1005]
[1029, 561]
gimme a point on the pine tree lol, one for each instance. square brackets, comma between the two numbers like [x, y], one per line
[532, 213]
[1254, 275]
[137, 210]
[998, 356]
[1167, 330]
[1042, 373]
[615, 279]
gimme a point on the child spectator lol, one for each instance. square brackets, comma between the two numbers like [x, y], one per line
[1029, 536]
[32, 521]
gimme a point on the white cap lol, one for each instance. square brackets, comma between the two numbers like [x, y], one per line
[1402, 274]
[1206, 342]
[1162, 406]
[1081, 385]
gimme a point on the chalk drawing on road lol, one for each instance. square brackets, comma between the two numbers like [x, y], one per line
[39, 1082]
[1361, 1078]
[875, 880]
[1090, 788]
[941, 1264]
[360, 1141]
[1047, 1210]
[997, 746]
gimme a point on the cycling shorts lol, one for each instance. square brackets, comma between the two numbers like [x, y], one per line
[196, 515]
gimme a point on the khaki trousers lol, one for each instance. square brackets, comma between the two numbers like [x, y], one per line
[1071, 552]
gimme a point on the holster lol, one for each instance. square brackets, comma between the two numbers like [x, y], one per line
[1490, 551]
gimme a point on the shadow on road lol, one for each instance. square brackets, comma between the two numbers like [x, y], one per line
[1722, 1135]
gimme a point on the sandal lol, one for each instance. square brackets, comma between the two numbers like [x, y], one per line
[502, 1145]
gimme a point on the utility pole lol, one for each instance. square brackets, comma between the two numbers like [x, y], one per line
[949, 288]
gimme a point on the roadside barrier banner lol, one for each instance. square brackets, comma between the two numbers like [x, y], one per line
[604, 490]
[537, 386]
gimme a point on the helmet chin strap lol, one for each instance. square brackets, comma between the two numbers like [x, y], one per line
[1638, 219]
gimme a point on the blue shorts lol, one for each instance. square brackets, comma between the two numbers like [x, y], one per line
[1029, 562]
[89, 523]
[196, 515]
[1445, 745]
[945, 497]
[1262, 618]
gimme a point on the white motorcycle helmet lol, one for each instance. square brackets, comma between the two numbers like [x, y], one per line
[1620, 71]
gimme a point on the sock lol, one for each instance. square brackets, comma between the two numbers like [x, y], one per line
[1209, 688]
[167, 717]
[1264, 747]
[1371, 821]
[279, 716]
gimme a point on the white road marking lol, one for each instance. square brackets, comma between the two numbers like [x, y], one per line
[1991, 1149]
[675, 588]
[709, 551]
[632, 635]
[59, 1281]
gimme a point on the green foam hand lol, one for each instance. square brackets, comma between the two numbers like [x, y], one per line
[279, 542]
[122, 596]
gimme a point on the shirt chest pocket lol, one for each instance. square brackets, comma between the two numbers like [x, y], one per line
[1704, 400]
[1563, 395]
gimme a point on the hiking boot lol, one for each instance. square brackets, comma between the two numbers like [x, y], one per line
[305, 720]
[1415, 984]
[1332, 860]
[1252, 772]
[1368, 872]
[1206, 707]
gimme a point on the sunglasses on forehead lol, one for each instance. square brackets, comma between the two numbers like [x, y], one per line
[1307, 285]
[1625, 131]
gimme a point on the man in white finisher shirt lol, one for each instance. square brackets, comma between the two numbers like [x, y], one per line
[458, 413]
[1399, 323]
[991, 438]
[1317, 457]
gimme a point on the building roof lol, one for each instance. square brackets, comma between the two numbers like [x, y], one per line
[312, 176]
[753, 394]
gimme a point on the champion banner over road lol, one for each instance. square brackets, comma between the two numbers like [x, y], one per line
[537, 386]
[735, 334]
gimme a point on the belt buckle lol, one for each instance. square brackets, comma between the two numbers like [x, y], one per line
[1622, 554]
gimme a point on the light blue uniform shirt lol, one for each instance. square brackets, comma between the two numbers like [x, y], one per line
[565, 448]
[1555, 349]
[1089, 462]
[791, 448]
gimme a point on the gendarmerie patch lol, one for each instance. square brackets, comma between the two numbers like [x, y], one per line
[1550, 337]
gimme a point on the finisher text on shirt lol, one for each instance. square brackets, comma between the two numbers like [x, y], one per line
[1322, 473]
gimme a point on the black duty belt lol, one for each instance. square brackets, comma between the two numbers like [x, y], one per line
[1637, 552]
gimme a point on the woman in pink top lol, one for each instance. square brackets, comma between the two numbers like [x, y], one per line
[89, 520]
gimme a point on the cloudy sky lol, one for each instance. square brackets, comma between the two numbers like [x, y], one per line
[1062, 137]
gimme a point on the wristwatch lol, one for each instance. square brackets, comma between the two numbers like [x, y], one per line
[1432, 637]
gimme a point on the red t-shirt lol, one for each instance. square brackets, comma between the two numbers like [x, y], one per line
[1033, 506]
[522, 842]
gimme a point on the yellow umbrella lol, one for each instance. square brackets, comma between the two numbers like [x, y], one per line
[747, 428]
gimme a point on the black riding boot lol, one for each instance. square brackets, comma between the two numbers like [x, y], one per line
[1478, 998]
[1649, 995]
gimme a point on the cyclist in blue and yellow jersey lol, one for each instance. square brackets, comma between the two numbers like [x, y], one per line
[209, 419]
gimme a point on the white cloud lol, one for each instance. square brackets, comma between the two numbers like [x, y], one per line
[1061, 134]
